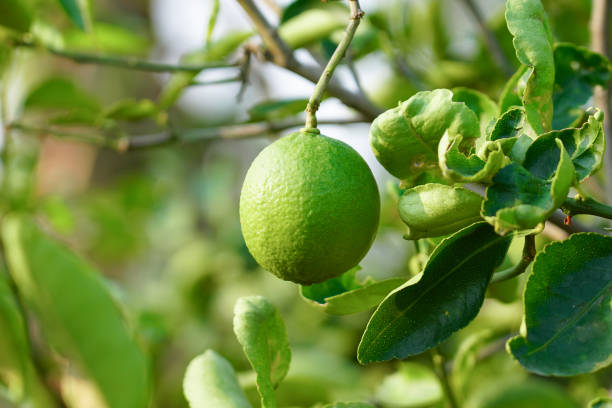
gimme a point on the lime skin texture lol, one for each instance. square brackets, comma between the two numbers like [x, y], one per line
[309, 207]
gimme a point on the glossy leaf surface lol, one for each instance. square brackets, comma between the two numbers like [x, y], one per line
[419, 315]
[568, 317]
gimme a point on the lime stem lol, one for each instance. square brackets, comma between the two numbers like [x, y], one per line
[321, 86]
[580, 205]
[529, 253]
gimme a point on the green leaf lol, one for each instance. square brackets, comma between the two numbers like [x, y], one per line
[512, 93]
[485, 109]
[419, 315]
[512, 131]
[585, 146]
[577, 71]
[528, 23]
[568, 316]
[601, 402]
[210, 381]
[311, 26]
[345, 295]
[523, 197]
[464, 165]
[16, 15]
[78, 314]
[214, 52]
[433, 210]
[349, 405]
[413, 385]
[78, 12]
[261, 332]
[405, 139]
[61, 93]
[107, 38]
[131, 109]
[17, 371]
[466, 357]
[533, 393]
[271, 110]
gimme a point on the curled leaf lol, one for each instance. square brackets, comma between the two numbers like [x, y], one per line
[433, 210]
[405, 139]
[528, 23]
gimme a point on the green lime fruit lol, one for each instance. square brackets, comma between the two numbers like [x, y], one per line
[309, 207]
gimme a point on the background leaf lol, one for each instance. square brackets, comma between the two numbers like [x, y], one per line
[79, 316]
[417, 316]
[412, 385]
[210, 381]
[17, 371]
[601, 402]
[568, 321]
[261, 332]
[270, 110]
[16, 14]
[78, 12]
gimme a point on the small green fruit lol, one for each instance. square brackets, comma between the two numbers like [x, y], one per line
[309, 208]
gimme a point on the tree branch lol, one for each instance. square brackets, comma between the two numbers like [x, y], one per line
[492, 43]
[120, 62]
[322, 84]
[139, 142]
[529, 253]
[282, 55]
[575, 206]
[600, 31]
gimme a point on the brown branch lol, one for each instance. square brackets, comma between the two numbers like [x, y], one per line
[280, 53]
[600, 32]
[492, 43]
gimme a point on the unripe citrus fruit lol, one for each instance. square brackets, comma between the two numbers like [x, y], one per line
[309, 207]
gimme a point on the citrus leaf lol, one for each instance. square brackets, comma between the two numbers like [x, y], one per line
[585, 146]
[433, 210]
[577, 71]
[528, 23]
[16, 15]
[523, 197]
[601, 402]
[17, 371]
[107, 38]
[311, 26]
[349, 405]
[271, 110]
[524, 394]
[568, 319]
[466, 357]
[419, 315]
[261, 332]
[344, 295]
[412, 385]
[77, 312]
[131, 109]
[511, 95]
[78, 12]
[210, 381]
[511, 131]
[485, 109]
[214, 52]
[61, 93]
[464, 165]
[405, 139]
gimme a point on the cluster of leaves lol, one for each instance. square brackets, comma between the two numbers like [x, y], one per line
[528, 150]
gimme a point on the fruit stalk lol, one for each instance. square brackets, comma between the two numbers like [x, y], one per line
[317, 95]
[529, 253]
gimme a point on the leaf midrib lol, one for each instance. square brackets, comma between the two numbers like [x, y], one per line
[581, 312]
[425, 292]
